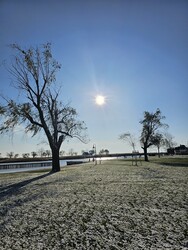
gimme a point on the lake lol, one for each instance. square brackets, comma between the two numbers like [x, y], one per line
[28, 166]
[38, 165]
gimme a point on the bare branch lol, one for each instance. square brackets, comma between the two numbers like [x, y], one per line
[34, 71]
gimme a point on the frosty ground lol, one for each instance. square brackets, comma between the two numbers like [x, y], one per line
[110, 206]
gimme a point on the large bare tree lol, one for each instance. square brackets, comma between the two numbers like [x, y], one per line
[151, 123]
[34, 72]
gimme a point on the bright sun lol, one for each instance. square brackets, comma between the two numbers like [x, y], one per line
[100, 100]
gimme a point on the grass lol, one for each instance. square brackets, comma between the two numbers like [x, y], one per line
[176, 161]
[110, 206]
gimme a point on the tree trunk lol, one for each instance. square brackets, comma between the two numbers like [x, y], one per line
[145, 154]
[158, 152]
[55, 160]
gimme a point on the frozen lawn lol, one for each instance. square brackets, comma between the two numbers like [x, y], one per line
[109, 206]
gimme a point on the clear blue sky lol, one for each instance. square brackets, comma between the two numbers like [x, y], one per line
[133, 52]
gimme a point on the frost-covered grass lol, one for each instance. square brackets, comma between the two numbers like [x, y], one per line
[110, 206]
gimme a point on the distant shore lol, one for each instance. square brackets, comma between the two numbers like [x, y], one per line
[29, 159]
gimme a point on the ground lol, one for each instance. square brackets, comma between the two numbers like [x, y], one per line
[110, 206]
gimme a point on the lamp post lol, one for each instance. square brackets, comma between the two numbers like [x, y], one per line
[95, 152]
[94, 149]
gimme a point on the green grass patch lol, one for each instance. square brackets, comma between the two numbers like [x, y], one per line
[177, 161]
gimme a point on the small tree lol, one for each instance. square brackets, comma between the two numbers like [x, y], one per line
[158, 142]
[62, 153]
[44, 154]
[104, 152]
[48, 153]
[16, 155]
[25, 155]
[151, 124]
[40, 152]
[40, 109]
[10, 155]
[72, 152]
[168, 140]
[128, 137]
[101, 152]
[33, 154]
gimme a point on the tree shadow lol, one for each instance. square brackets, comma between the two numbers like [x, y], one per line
[172, 164]
[14, 188]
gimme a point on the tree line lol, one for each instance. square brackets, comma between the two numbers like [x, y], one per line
[42, 153]
[34, 154]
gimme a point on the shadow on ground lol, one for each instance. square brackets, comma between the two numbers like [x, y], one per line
[172, 164]
[14, 188]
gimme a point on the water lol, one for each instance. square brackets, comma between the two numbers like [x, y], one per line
[31, 166]
[39, 165]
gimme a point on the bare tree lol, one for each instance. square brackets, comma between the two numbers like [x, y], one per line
[33, 154]
[72, 152]
[151, 124]
[34, 71]
[40, 152]
[128, 137]
[10, 154]
[168, 140]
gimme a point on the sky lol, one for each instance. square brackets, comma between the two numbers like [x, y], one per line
[135, 53]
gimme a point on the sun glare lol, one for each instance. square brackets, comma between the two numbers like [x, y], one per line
[100, 100]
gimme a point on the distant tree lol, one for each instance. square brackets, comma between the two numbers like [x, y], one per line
[104, 152]
[48, 153]
[34, 70]
[168, 140]
[44, 154]
[158, 142]
[16, 155]
[10, 155]
[33, 154]
[62, 153]
[25, 155]
[101, 152]
[151, 124]
[40, 152]
[72, 152]
[92, 152]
